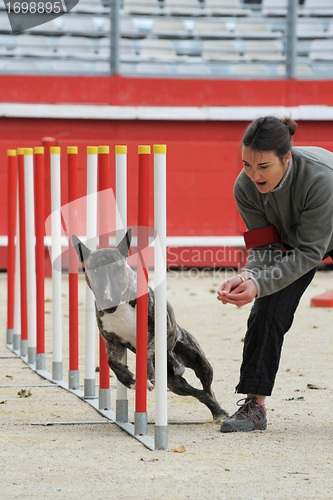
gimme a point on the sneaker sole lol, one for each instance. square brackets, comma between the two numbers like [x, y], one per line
[229, 428]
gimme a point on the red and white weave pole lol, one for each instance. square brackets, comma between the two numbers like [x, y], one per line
[91, 233]
[23, 263]
[56, 262]
[40, 256]
[103, 232]
[121, 227]
[73, 374]
[11, 231]
[140, 416]
[160, 268]
[30, 253]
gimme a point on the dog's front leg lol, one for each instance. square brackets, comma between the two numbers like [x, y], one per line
[115, 352]
[150, 365]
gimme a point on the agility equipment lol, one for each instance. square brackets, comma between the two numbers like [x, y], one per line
[26, 324]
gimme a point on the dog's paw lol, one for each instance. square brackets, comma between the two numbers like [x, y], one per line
[150, 385]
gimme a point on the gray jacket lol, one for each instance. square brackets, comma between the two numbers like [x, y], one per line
[301, 209]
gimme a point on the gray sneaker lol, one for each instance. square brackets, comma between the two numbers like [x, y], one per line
[251, 416]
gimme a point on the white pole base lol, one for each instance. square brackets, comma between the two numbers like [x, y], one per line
[40, 361]
[24, 347]
[89, 388]
[104, 399]
[57, 370]
[140, 423]
[73, 380]
[161, 437]
[16, 341]
[31, 355]
[121, 410]
[9, 339]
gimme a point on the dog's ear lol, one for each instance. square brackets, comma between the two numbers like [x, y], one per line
[125, 244]
[82, 251]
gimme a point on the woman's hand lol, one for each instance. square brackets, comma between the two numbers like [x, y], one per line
[236, 291]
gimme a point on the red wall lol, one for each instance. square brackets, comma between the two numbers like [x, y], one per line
[203, 157]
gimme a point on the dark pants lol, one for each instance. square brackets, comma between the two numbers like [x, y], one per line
[270, 318]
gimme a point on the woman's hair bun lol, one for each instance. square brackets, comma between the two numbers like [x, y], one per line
[291, 124]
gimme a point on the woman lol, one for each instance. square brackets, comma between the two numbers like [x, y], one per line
[285, 197]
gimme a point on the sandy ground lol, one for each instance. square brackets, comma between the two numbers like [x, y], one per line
[293, 458]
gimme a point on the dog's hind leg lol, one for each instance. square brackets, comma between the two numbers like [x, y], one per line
[188, 351]
[180, 386]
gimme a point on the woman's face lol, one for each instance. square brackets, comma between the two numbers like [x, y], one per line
[264, 168]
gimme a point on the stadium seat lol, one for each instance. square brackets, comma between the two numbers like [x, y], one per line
[263, 50]
[252, 70]
[320, 8]
[254, 29]
[158, 50]
[81, 25]
[301, 70]
[127, 49]
[193, 70]
[220, 51]
[210, 29]
[310, 29]
[321, 50]
[34, 46]
[75, 47]
[170, 28]
[52, 28]
[225, 8]
[90, 7]
[152, 69]
[70, 67]
[20, 66]
[183, 8]
[274, 7]
[330, 29]
[146, 7]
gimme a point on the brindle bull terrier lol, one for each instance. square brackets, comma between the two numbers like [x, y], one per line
[114, 285]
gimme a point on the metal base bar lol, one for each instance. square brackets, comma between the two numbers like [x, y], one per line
[89, 388]
[104, 399]
[40, 361]
[161, 437]
[16, 341]
[122, 410]
[140, 423]
[57, 371]
[128, 427]
[9, 338]
[73, 380]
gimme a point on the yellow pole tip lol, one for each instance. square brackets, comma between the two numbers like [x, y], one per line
[144, 150]
[55, 150]
[92, 150]
[121, 150]
[11, 152]
[103, 150]
[160, 149]
[72, 150]
[20, 151]
[39, 150]
[28, 151]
